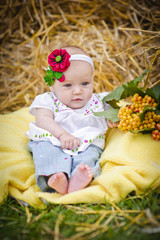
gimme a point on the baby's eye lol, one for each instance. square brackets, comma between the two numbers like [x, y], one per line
[67, 85]
[85, 83]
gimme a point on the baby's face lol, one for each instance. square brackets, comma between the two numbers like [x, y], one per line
[77, 88]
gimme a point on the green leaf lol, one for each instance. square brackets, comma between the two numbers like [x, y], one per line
[111, 114]
[145, 130]
[113, 97]
[130, 90]
[124, 91]
[138, 79]
[46, 78]
[49, 80]
[58, 75]
[50, 73]
[50, 68]
[113, 104]
[157, 111]
[154, 92]
[145, 110]
[115, 94]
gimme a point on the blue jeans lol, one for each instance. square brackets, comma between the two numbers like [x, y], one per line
[49, 159]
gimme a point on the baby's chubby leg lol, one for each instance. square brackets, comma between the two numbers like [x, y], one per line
[59, 182]
[82, 177]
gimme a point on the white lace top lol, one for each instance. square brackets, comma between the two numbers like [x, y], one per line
[81, 123]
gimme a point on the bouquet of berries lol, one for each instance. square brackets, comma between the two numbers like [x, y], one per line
[140, 114]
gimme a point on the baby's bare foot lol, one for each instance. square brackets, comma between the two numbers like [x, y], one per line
[58, 182]
[80, 179]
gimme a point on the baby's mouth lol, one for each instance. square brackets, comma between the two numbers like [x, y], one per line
[77, 99]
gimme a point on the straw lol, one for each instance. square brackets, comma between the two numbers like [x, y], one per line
[122, 37]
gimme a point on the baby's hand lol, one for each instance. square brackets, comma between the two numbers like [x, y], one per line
[68, 141]
[112, 125]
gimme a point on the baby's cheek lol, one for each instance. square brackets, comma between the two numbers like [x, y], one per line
[89, 95]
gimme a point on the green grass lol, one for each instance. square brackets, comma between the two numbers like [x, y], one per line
[134, 218]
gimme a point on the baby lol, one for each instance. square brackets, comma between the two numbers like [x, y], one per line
[66, 138]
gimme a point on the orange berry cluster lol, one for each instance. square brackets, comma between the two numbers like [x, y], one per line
[156, 132]
[130, 119]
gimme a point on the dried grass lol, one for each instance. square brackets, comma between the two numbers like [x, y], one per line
[121, 36]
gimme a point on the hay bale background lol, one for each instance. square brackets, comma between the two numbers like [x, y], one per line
[122, 37]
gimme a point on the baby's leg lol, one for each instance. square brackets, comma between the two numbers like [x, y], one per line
[82, 177]
[58, 182]
[48, 160]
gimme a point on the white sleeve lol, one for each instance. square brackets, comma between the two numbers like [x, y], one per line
[44, 100]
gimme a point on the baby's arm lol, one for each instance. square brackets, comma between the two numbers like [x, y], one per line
[45, 119]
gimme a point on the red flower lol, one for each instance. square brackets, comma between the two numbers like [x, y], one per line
[59, 60]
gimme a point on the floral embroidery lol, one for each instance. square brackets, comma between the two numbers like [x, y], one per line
[95, 105]
[43, 135]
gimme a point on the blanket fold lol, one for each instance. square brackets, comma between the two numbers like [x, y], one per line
[129, 163]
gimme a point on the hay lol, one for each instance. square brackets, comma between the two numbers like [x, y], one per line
[121, 36]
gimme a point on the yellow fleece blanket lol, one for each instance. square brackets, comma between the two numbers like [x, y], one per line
[129, 163]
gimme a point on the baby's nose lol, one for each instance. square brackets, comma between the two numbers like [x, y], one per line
[77, 90]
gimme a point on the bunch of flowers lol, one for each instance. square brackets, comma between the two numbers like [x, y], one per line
[142, 114]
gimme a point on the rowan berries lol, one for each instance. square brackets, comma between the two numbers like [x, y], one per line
[130, 116]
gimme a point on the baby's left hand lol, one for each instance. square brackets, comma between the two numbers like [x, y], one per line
[112, 125]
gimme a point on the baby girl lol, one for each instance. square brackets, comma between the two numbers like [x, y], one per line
[67, 139]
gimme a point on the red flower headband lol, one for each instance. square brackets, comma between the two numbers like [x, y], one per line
[58, 62]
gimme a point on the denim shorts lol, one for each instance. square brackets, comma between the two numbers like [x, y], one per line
[49, 159]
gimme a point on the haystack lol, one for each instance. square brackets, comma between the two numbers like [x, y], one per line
[121, 36]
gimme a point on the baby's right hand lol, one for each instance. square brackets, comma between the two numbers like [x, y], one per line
[112, 125]
[68, 141]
